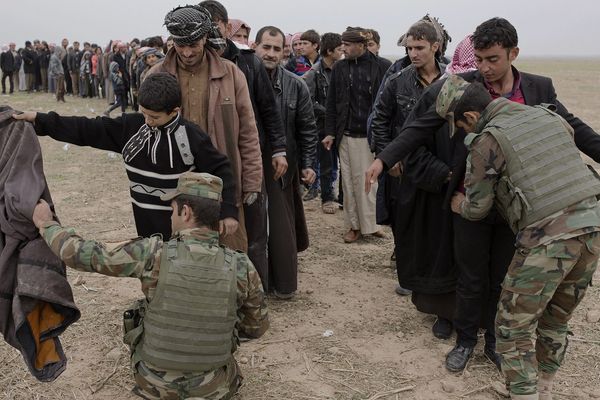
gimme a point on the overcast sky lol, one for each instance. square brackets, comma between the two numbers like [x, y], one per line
[546, 28]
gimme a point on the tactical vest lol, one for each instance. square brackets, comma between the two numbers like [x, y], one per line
[190, 323]
[544, 171]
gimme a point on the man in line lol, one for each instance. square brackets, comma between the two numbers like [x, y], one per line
[74, 61]
[29, 60]
[288, 233]
[270, 131]
[308, 53]
[374, 43]
[215, 97]
[352, 90]
[120, 57]
[317, 80]
[550, 202]
[483, 249]
[8, 67]
[217, 295]
[414, 204]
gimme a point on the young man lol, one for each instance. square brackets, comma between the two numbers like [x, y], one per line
[352, 90]
[483, 249]
[413, 205]
[317, 80]
[8, 67]
[374, 43]
[198, 296]
[215, 97]
[550, 202]
[308, 55]
[288, 233]
[157, 146]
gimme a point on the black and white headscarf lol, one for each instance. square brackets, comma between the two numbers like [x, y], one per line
[188, 24]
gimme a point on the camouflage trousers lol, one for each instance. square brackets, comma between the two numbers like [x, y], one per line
[153, 384]
[539, 293]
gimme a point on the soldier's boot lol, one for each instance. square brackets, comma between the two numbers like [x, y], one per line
[545, 382]
[524, 396]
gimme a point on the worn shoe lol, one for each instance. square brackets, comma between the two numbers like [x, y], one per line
[442, 328]
[490, 354]
[283, 296]
[310, 194]
[352, 236]
[329, 207]
[402, 291]
[458, 357]
[379, 234]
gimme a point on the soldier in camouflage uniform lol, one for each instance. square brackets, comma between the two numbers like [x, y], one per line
[550, 202]
[197, 343]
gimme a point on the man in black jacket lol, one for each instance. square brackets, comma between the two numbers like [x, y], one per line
[158, 146]
[270, 132]
[352, 90]
[483, 249]
[29, 60]
[413, 204]
[8, 67]
[287, 225]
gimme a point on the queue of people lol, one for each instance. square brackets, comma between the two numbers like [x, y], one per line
[444, 151]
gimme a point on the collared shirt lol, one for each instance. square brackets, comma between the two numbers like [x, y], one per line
[194, 83]
[515, 94]
[140, 258]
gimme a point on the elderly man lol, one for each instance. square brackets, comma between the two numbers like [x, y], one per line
[215, 97]
[287, 226]
[352, 89]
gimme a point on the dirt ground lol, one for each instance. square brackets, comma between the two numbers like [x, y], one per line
[379, 346]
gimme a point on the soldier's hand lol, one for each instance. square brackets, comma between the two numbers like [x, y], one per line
[28, 116]
[280, 166]
[372, 174]
[228, 226]
[308, 176]
[42, 213]
[456, 202]
[328, 141]
[396, 170]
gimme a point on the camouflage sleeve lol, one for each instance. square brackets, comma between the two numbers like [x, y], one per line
[127, 259]
[252, 308]
[485, 163]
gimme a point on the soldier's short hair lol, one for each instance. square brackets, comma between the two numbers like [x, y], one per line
[495, 31]
[160, 92]
[206, 211]
[329, 42]
[475, 98]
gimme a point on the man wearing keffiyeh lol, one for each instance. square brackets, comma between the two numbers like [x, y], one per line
[215, 97]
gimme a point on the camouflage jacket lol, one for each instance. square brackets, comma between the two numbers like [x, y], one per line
[485, 166]
[140, 258]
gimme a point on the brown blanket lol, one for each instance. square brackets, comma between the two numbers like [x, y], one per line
[36, 301]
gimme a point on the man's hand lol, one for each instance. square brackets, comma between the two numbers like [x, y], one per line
[280, 166]
[373, 173]
[396, 170]
[308, 176]
[456, 202]
[250, 198]
[28, 116]
[42, 213]
[328, 141]
[228, 226]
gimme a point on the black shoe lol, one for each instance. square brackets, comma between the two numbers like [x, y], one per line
[442, 328]
[490, 354]
[402, 291]
[311, 194]
[458, 357]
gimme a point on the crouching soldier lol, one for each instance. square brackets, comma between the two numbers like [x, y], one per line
[198, 295]
[524, 160]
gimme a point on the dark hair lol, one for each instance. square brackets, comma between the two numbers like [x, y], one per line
[312, 36]
[375, 35]
[475, 98]
[135, 40]
[495, 31]
[423, 30]
[272, 30]
[329, 42]
[160, 92]
[86, 44]
[217, 11]
[206, 211]
[27, 43]
[155, 41]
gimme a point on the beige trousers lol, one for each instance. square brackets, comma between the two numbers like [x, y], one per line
[359, 207]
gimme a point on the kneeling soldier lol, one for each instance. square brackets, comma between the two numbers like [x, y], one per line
[198, 294]
[524, 160]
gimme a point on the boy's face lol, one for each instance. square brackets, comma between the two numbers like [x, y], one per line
[151, 59]
[155, 119]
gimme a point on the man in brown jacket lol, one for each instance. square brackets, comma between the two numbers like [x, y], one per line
[215, 97]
